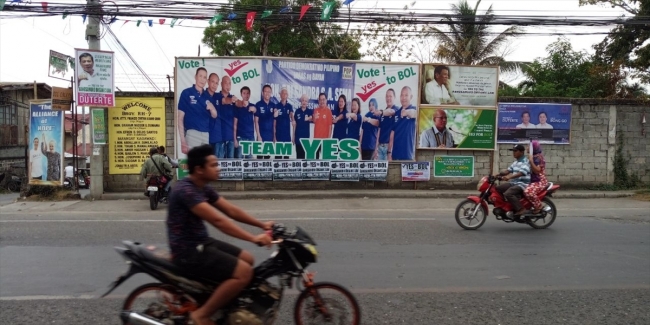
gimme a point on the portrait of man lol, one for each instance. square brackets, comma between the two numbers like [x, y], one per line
[437, 91]
[402, 142]
[214, 125]
[53, 159]
[525, 122]
[437, 136]
[88, 75]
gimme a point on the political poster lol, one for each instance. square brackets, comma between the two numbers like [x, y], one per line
[448, 128]
[453, 166]
[59, 65]
[373, 171]
[46, 141]
[416, 171]
[231, 170]
[459, 85]
[269, 108]
[522, 122]
[344, 171]
[287, 170]
[135, 125]
[94, 78]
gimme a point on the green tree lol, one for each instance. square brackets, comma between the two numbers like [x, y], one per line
[628, 44]
[576, 74]
[467, 40]
[280, 34]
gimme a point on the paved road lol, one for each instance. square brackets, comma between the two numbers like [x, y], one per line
[406, 260]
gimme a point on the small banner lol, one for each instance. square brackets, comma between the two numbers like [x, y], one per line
[61, 98]
[416, 171]
[344, 171]
[98, 126]
[303, 11]
[453, 166]
[373, 171]
[287, 170]
[258, 170]
[250, 19]
[316, 170]
[231, 170]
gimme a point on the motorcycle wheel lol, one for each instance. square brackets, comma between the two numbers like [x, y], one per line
[464, 213]
[316, 305]
[547, 217]
[153, 200]
[13, 186]
[154, 300]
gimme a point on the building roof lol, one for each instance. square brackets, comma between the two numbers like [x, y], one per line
[8, 86]
[80, 121]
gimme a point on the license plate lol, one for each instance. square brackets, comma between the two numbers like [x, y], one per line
[66, 183]
[152, 188]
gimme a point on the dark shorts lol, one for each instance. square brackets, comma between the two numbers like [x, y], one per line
[217, 261]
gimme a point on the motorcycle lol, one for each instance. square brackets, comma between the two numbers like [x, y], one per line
[471, 208]
[257, 304]
[156, 191]
[68, 182]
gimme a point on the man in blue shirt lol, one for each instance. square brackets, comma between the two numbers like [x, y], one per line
[215, 124]
[369, 129]
[303, 117]
[283, 119]
[385, 125]
[518, 177]
[265, 117]
[402, 139]
[244, 121]
[194, 112]
[227, 117]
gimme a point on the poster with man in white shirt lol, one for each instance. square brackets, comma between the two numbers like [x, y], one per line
[94, 78]
[459, 85]
[46, 138]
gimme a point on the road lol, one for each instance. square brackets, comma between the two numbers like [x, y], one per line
[406, 260]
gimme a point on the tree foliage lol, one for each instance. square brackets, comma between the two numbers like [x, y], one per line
[576, 74]
[280, 35]
[466, 40]
[627, 45]
[393, 37]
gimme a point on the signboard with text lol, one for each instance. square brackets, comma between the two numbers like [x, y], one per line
[453, 166]
[258, 170]
[94, 78]
[46, 140]
[98, 126]
[231, 170]
[373, 171]
[454, 85]
[457, 128]
[135, 125]
[416, 171]
[61, 98]
[59, 65]
[522, 122]
[287, 170]
[344, 171]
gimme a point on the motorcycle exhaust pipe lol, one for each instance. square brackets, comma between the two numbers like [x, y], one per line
[133, 318]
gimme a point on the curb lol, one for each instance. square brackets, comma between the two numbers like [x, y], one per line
[375, 194]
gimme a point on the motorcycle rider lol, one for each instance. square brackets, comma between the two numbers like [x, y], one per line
[174, 163]
[149, 169]
[518, 177]
[69, 174]
[194, 201]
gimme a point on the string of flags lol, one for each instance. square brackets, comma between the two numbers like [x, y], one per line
[326, 14]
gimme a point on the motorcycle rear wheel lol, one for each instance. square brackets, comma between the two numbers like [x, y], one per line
[465, 213]
[548, 219]
[159, 310]
[320, 299]
[153, 200]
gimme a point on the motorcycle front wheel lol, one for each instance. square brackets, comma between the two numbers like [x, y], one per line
[327, 303]
[468, 211]
[161, 302]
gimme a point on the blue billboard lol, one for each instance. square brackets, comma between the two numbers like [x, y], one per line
[522, 122]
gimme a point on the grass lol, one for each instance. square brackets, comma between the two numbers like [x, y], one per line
[643, 195]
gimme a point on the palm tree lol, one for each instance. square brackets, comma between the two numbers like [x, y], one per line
[468, 41]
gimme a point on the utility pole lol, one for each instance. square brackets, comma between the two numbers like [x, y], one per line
[97, 156]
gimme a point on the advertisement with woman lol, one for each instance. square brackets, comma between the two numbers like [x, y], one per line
[45, 144]
[522, 122]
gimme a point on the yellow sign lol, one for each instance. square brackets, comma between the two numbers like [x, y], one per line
[135, 125]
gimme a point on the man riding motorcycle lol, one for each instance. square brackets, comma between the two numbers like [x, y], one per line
[156, 166]
[194, 201]
[518, 177]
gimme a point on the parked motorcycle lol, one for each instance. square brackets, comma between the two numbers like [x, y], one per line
[156, 191]
[68, 182]
[476, 207]
[258, 304]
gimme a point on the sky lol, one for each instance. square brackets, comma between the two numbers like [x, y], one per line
[25, 43]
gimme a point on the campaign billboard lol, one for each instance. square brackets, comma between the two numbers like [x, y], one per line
[453, 85]
[447, 128]
[94, 78]
[307, 109]
[522, 122]
[46, 141]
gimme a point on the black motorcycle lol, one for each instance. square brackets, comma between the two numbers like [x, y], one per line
[156, 191]
[179, 293]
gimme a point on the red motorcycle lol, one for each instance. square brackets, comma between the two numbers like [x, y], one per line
[475, 208]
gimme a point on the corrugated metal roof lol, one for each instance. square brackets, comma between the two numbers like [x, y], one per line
[23, 85]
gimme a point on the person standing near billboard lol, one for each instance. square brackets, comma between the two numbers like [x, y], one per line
[403, 133]
[194, 112]
[244, 122]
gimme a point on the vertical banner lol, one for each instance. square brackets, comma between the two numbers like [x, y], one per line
[457, 128]
[394, 89]
[94, 78]
[98, 125]
[135, 125]
[459, 85]
[416, 171]
[46, 140]
[59, 65]
[521, 122]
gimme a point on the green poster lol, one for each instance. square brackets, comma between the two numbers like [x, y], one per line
[98, 126]
[453, 166]
[182, 170]
[456, 128]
